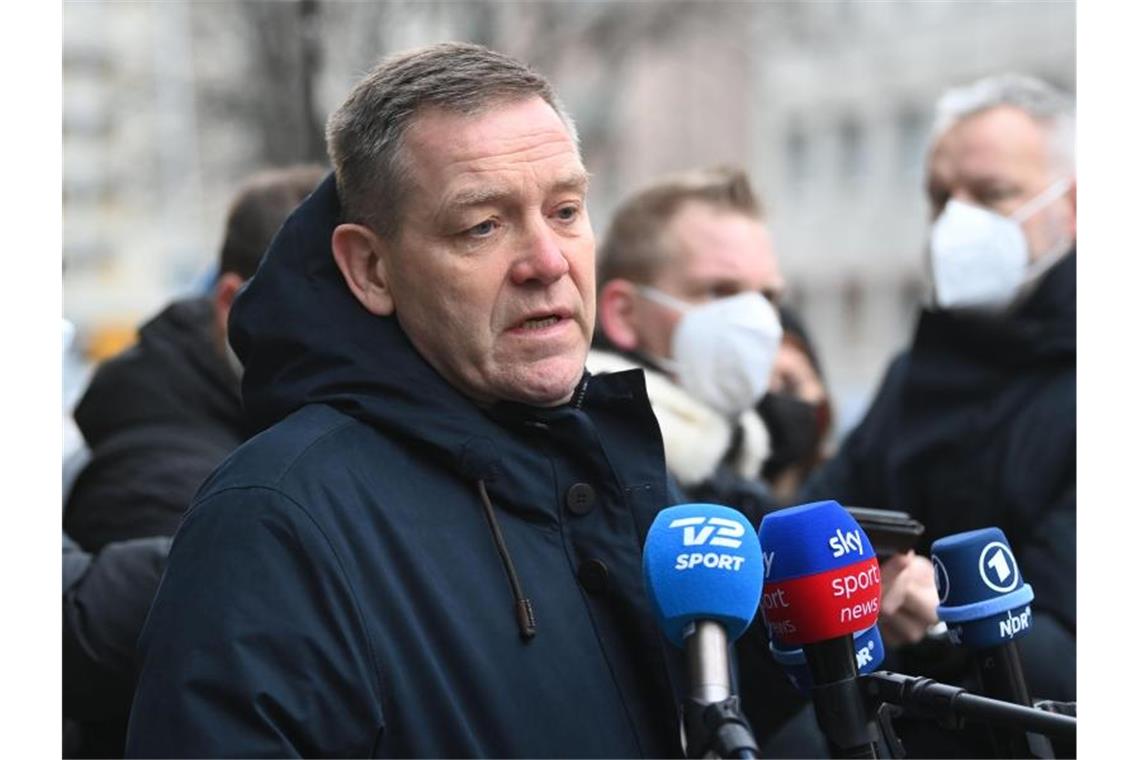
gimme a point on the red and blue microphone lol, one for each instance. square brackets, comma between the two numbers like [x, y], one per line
[985, 603]
[822, 586]
[704, 570]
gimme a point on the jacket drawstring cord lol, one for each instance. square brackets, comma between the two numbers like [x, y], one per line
[524, 611]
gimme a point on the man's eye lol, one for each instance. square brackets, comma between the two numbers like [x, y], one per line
[995, 195]
[566, 213]
[483, 229]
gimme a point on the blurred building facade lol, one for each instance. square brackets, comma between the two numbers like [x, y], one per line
[167, 105]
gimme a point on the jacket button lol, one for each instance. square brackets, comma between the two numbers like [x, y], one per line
[580, 498]
[594, 576]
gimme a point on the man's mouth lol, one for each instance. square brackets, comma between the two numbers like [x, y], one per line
[537, 323]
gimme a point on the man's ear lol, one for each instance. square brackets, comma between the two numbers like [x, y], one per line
[360, 255]
[616, 316]
[226, 289]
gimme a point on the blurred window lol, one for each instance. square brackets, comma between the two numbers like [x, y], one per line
[797, 158]
[853, 298]
[911, 138]
[853, 158]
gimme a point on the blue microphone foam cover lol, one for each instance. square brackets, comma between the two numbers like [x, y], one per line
[982, 597]
[702, 562]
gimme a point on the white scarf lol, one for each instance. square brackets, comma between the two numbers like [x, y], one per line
[696, 436]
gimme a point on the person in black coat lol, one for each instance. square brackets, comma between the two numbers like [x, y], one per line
[975, 424]
[105, 600]
[159, 417]
[433, 548]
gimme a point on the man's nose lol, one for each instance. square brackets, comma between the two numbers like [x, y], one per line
[541, 258]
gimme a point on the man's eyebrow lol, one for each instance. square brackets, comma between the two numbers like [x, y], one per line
[485, 195]
[574, 180]
[477, 196]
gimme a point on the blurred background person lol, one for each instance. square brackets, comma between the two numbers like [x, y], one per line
[160, 416]
[975, 424]
[686, 280]
[157, 419]
[796, 411]
[105, 600]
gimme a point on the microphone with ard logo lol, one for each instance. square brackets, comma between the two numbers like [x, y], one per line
[985, 604]
[821, 586]
[703, 570]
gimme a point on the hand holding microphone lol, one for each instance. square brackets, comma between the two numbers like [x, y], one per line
[910, 599]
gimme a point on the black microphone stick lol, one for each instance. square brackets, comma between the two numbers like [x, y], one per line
[928, 697]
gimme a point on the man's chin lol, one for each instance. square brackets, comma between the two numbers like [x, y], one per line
[545, 386]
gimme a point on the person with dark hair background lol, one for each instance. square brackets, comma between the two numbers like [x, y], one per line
[160, 416]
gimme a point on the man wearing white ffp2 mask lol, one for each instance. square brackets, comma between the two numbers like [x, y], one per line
[975, 423]
[723, 350]
[980, 258]
[1002, 188]
[687, 276]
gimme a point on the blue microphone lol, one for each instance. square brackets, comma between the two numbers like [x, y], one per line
[704, 571]
[985, 603]
[982, 597]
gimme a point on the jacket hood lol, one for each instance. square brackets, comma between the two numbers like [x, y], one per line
[175, 374]
[303, 338]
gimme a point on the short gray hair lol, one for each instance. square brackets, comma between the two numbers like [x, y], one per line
[365, 134]
[1050, 107]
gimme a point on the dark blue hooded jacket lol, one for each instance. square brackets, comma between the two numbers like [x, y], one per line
[336, 589]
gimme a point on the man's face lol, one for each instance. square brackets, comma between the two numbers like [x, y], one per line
[999, 159]
[717, 253]
[492, 272]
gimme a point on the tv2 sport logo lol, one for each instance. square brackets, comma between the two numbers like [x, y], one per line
[998, 567]
[713, 531]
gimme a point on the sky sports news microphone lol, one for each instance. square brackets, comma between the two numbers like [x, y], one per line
[821, 586]
[985, 604]
[703, 570]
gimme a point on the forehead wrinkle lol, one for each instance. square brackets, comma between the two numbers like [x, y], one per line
[498, 193]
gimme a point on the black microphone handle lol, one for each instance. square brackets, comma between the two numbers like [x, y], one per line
[999, 669]
[838, 699]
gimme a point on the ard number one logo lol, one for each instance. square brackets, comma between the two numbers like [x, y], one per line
[998, 567]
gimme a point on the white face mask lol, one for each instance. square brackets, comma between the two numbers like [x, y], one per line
[723, 350]
[980, 259]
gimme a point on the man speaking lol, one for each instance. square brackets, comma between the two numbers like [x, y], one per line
[434, 546]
